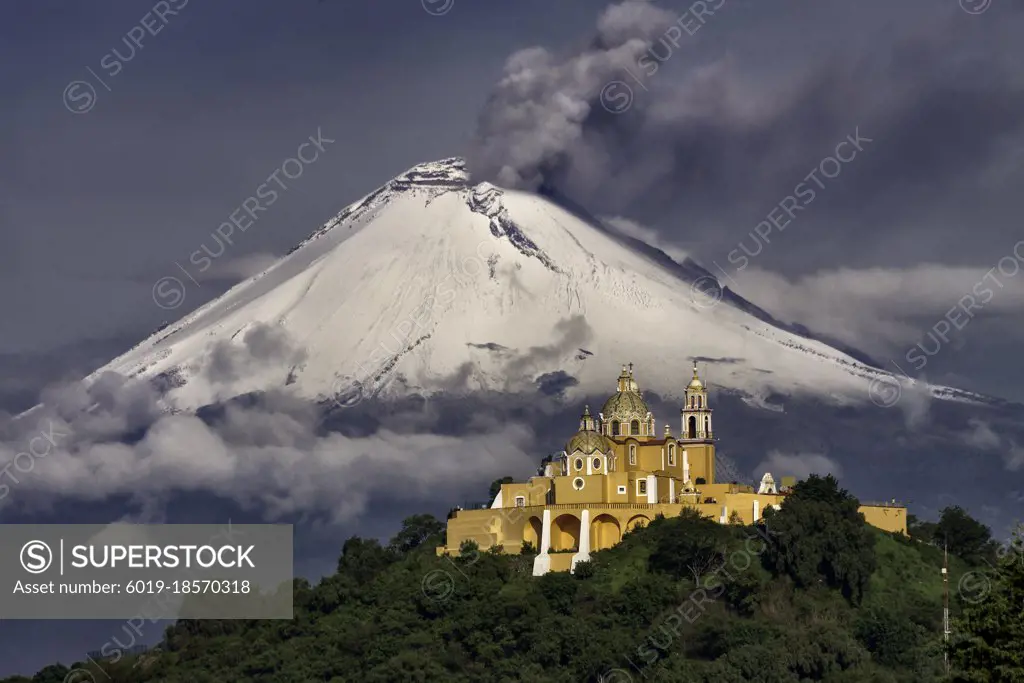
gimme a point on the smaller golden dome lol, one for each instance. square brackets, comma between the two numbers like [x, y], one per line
[695, 383]
[587, 442]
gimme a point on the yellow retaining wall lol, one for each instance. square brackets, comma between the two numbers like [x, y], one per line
[509, 527]
[886, 517]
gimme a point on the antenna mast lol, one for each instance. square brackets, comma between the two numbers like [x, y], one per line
[945, 607]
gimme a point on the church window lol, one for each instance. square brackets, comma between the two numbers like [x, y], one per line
[597, 463]
[634, 428]
[632, 454]
[692, 399]
[672, 454]
[520, 501]
[641, 487]
[578, 463]
[700, 401]
[693, 427]
[615, 427]
[707, 425]
[621, 490]
[578, 483]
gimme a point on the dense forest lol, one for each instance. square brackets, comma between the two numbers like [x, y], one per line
[811, 594]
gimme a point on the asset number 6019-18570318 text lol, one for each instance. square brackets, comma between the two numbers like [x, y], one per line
[188, 586]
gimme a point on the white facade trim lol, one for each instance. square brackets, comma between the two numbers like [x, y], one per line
[584, 551]
[542, 563]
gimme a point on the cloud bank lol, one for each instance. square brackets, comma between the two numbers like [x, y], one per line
[117, 437]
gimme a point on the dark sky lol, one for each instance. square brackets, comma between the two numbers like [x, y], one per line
[98, 206]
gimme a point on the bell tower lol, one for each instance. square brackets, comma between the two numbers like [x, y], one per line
[587, 421]
[696, 433]
[696, 425]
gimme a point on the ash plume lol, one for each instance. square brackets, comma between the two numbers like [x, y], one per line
[695, 131]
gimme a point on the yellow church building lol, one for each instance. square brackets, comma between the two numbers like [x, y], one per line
[617, 473]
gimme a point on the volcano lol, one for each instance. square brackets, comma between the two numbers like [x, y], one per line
[433, 283]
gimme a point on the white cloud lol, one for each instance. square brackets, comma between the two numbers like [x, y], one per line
[269, 455]
[240, 268]
[1014, 458]
[981, 435]
[800, 465]
[887, 310]
[270, 459]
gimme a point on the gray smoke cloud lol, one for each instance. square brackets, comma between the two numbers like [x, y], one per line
[703, 133]
[544, 104]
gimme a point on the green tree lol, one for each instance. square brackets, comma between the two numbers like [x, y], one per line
[496, 486]
[990, 646]
[819, 536]
[584, 569]
[687, 546]
[921, 531]
[362, 559]
[888, 635]
[965, 536]
[55, 673]
[413, 616]
[415, 530]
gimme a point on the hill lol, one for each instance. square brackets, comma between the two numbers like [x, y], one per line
[683, 600]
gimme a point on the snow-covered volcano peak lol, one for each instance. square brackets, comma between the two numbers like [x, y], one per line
[431, 284]
[450, 172]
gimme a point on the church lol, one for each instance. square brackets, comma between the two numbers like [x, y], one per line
[617, 473]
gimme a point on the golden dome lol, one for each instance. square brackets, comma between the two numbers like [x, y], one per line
[625, 404]
[587, 442]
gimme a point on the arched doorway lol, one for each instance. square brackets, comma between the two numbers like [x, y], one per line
[693, 427]
[604, 532]
[637, 521]
[532, 532]
[565, 533]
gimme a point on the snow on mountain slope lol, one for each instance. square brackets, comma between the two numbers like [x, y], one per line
[432, 284]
